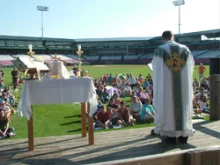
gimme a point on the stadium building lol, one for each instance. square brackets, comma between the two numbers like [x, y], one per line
[133, 50]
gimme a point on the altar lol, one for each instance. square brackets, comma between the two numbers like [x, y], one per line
[59, 91]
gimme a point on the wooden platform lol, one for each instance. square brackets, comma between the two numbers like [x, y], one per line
[133, 146]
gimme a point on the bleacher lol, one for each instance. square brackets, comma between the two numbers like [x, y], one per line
[131, 57]
[66, 59]
[6, 57]
[76, 58]
[111, 58]
[132, 50]
[6, 64]
[92, 58]
[205, 56]
[6, 61]
[198, 52]
[19, 55]
[47, 58]
[73, 56]
[147, 56]
[210, 54]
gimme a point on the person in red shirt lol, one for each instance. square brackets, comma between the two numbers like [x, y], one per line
[124, 116]
[105, 78]
[201, 70]
[103, 118]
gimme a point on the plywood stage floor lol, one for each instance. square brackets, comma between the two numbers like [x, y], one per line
[110, 147]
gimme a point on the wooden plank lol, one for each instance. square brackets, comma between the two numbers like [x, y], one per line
[193, 158]
[90, 126]
[134, 146]
[31, 132]
[175, 159]
[83, 119]
[210, 157]
[204, 156]
[214, 97]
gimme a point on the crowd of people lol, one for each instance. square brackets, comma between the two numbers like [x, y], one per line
[7, 104]
[201, 92]
[112, 111]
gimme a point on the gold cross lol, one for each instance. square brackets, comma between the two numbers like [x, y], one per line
[55, 57]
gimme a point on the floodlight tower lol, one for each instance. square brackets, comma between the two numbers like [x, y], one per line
[42, 9]
[179, 3]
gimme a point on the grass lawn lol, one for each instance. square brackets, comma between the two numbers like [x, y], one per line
[65, 119]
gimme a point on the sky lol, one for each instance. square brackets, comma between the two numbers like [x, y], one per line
[80, 19]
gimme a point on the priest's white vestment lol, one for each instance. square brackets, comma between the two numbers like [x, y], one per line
[173, 67]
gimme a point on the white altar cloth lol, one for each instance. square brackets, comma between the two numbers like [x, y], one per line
[57, 91]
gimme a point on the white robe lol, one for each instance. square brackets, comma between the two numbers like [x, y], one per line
[165, 74]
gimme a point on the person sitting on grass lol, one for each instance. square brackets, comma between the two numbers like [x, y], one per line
[8, 93]
[124, 117]
[198, 96]
[121, 87]
[8, 106]
[110, 78]
[99, 92]
[113, 116]
[146, 83]
[4, 107]
[2, 85]
[117, 98]
[147, 113]
[202, 106]
[103, 118]
[135, 107]
[127, 90]
[112, 107]
[5, 130]
[105, 96]
[142, 95]
[196, 84]
[112, 104]
[99, 107]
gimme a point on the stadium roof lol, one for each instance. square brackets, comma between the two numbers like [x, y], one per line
[113, 39]
[33, 38]
[208, 33]
[77, 40]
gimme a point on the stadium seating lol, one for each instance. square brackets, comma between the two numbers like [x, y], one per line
[127, 50]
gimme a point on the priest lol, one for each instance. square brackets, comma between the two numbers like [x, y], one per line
[173, 67]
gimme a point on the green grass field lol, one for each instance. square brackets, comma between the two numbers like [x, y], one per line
[64, 119]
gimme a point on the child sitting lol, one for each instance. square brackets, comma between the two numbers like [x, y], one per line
[203, 105]
[103, 119]
[124, 116]
[105, 96]
[5, 131]
[113, 116]
[147, 113]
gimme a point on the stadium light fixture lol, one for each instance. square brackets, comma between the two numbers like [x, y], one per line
[179, 3]
[42, 9]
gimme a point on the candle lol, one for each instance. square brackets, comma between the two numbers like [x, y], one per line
[79, 47]
[30, 48]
